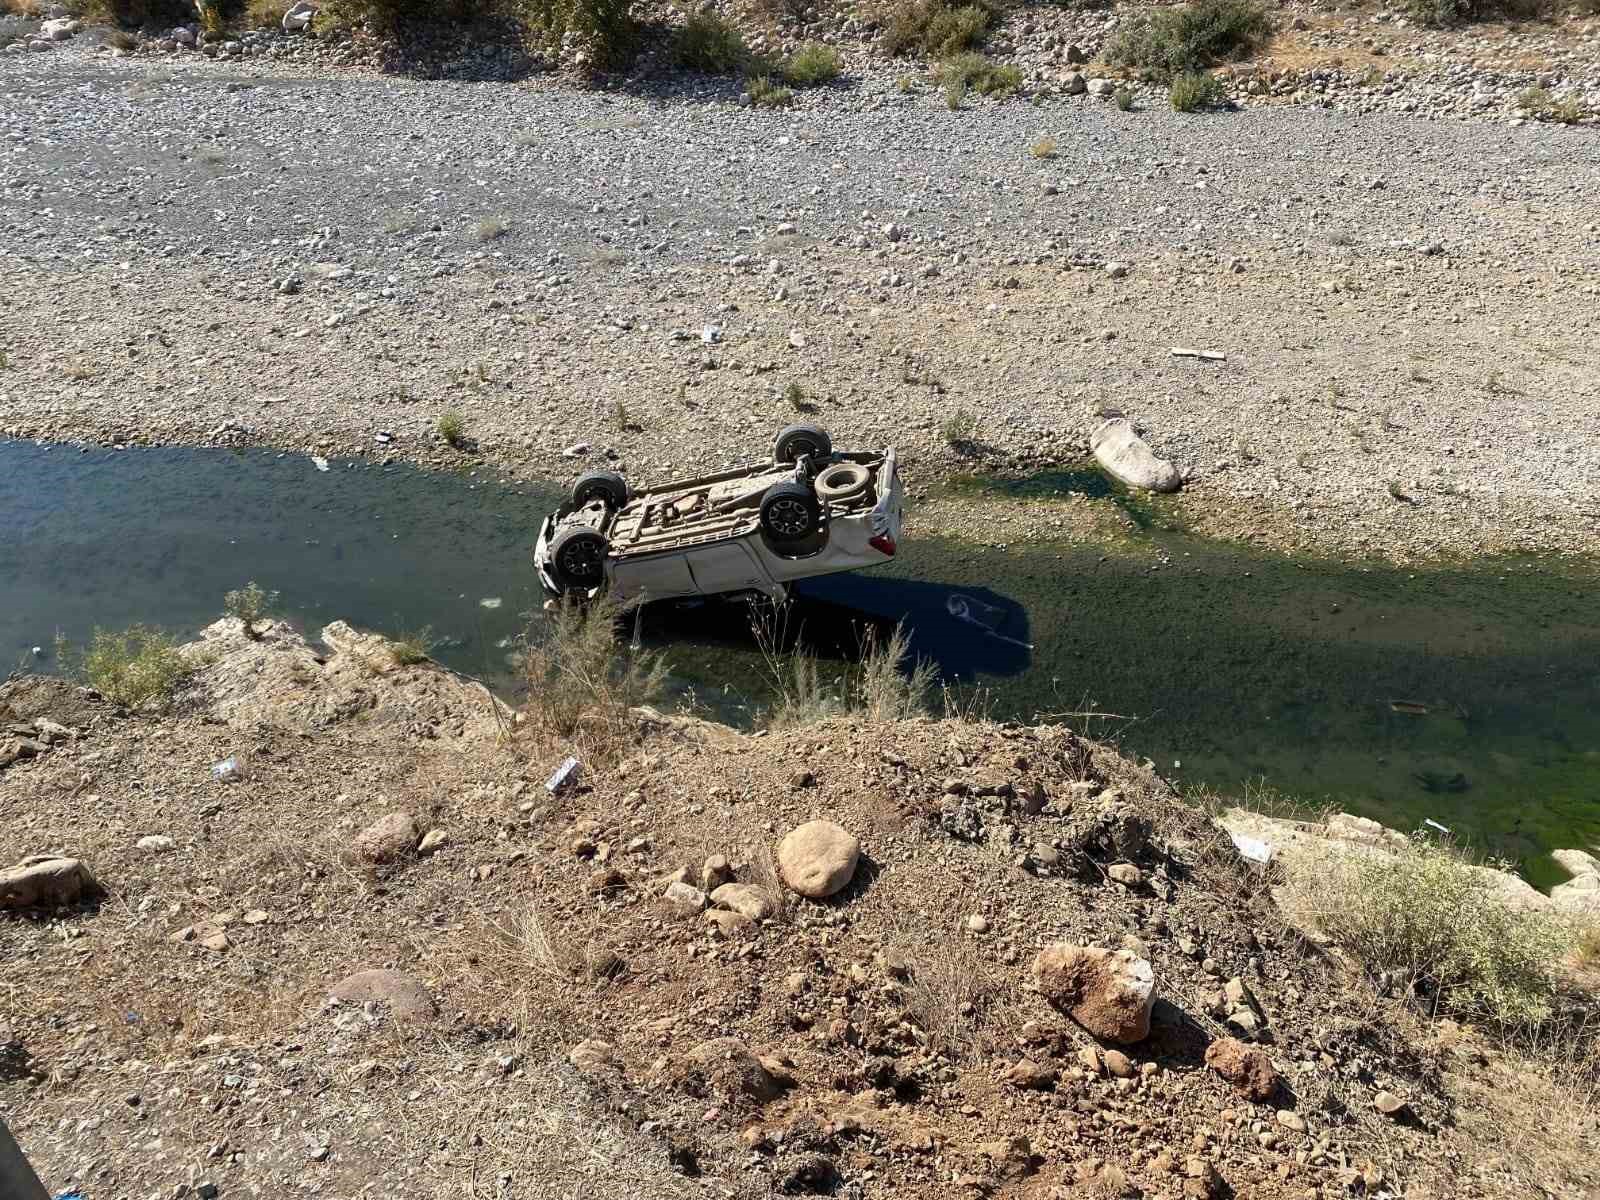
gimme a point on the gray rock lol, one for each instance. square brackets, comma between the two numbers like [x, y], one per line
[746, 899]
[156, 843]
[1102, 87]
[1124, 455]
[391, 836]
[1074, 84]
[684, 899]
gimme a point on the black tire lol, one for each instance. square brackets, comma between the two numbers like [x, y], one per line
[801, 441]
[790, 512]
[841, 481]
[606, 486]
[578, 559]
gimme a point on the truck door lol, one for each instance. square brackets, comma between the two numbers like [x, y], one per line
[726, 567]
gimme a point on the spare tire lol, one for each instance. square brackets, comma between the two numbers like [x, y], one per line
[842, 481]
[790, 512]
[578, 558]
[801, 441]
[605, 486]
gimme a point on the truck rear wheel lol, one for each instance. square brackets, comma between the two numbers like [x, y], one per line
[605, 486]
[790, 512]
[801, 441]
[578, 559]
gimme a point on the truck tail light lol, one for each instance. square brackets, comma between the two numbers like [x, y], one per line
[883, 544]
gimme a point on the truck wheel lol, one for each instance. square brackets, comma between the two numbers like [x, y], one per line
[790, 512]
[801, 441]
[578, 558]
[605, 486]
[842, 481]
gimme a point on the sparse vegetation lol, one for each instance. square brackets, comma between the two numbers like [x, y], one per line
[765, 92]
[935, 28]
[955, 92]
[1543, 106]
[1179, 41]
[1043, 147]
[884, 684]
[1194, 91]
[250, 604]
[812, 65]
[452, 427]
[605, 29]
[139, 666]
[1435, 925]
[795, 396]
[710, 44]
[981, 75]
[959, 427]
[490, 228]
[412, 648]
[583, 680]
[906, 84]
[1123, 99]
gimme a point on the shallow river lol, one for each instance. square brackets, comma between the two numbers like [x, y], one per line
[1466, 695]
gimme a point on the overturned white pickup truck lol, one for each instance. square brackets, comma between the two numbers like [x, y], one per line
[753, 530]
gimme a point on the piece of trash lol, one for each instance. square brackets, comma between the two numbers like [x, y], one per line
[575, 451]
[566, 773]
[711, 334]
[984, 616]
[489, 602]
[1208, 355]
[229, 770]
[38, 651]
[1431, 823]
[319, 462]
[1413, 707]
[797, 340]
[383, 438]
[1253, 849]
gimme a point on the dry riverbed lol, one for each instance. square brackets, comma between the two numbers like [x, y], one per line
[218, 255]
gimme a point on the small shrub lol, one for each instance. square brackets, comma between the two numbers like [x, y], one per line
[935, 28]
[139, 666]
[605, 29]
[795, 396]
[955, 92]
[121, 39]
[892, 687]
[583, 681]
[490, 228]
[1179, 41]
[981, 75]
[907, 84]
[766, 93]
[1439, 926]
[1124, 99]
[1543, 106]
[211, 18]
[1043, 147]
[452, 427]
[409, 649]
[1440, 13]
[709, 44]
[812, 65]
[959, 427]
[249, 604]
[1589, 947]
[264, 14]
[1194, 91]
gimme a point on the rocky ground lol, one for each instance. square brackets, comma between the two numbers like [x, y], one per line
[375, 955]
[261, 248]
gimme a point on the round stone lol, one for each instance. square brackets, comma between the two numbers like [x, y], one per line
[818, 858]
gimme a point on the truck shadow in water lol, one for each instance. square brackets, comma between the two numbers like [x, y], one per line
[962, 630]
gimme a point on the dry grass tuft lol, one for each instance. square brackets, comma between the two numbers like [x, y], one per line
[1043, 147]
[583, 682]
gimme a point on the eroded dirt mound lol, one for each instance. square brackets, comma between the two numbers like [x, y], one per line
[577, 1030]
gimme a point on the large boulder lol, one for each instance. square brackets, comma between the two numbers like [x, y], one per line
[299, 16]
[1124, 455]
[818, 858]
[44, 881]
[1108, 992]
[406, 999]
[1245, 1066]
[1581, 893]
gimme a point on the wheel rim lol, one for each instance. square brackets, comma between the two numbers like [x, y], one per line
[789, 518]
[581, 560]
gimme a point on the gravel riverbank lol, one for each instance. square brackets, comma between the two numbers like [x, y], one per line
[207, 252]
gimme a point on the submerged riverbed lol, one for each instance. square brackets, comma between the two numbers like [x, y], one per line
[1468, 695]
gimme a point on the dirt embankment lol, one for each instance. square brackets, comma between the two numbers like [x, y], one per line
[562, 994]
